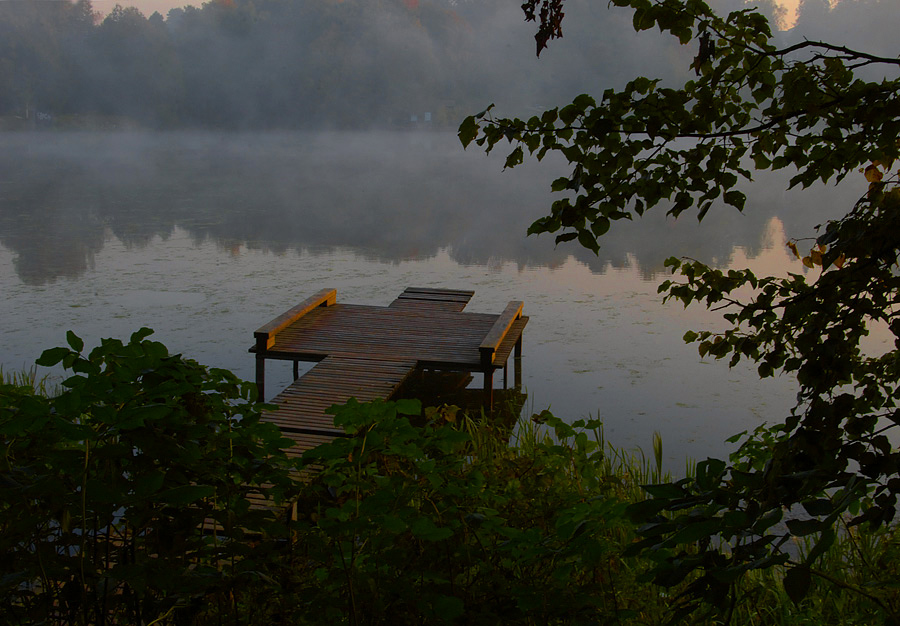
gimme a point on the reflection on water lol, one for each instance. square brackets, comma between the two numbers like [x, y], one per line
[206, 237]
[389, 196]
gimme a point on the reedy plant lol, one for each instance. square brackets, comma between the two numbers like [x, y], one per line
[26, 378]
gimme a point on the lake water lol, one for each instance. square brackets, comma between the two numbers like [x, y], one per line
[204, 237]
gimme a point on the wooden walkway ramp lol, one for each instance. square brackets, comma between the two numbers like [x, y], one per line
[368, 352]
[334, 380]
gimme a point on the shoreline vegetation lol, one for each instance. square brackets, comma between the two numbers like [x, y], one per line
[126, 491]
[101, 123]
[79, 122]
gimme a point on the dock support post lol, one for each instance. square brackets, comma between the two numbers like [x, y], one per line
[487, 365]
[296, 370]
[261, 347]
[488, 400]
[260, 378]
[517, 364]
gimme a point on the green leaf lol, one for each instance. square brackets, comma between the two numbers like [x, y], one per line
[141, 334]
[424, 528]
[69, 404]
[568, 114]
[696, 531]
[820, 506]
[468, 130]
[796, 583]
[642, 84]
[639, 20]
[393, 524]
[155, 350]
[708, 472]
[584, 101]
[148, 483]
[801, 528]
[448, 608]
[139, 416]
[641, 511]
[515, 157]
[600, 226]
[672, 262]
[736, 199]
[52, 357]
[667, 491]
[408, 406]
[484, 112]
[587, 240]
[74, 341]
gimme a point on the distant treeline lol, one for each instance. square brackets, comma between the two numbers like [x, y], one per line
[235, 64]
[258, 64]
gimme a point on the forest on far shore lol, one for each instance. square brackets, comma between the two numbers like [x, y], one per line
[307, 64]
[235, 64]
[335, 64]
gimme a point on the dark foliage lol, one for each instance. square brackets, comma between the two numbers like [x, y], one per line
[813, 107]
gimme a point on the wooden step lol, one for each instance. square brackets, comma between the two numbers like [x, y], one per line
[427, 298]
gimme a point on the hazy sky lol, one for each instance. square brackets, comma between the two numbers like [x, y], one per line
[147, 7]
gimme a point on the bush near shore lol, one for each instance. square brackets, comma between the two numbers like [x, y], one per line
[125, 497]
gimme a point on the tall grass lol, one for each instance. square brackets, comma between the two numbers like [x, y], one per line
[28, 379]
[856, 582]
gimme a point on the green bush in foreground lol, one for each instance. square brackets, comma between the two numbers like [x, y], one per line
[124, 500]
[124, 497]
[406, 524]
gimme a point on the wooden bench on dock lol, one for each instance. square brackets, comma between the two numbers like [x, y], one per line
[367, 352]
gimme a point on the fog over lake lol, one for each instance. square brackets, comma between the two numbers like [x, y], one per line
[206, 236]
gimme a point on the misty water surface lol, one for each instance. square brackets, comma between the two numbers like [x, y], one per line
[204, 237]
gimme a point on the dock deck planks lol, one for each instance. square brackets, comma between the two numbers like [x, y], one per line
[367, 352]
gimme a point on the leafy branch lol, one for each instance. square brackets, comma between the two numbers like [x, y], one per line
[752, 106]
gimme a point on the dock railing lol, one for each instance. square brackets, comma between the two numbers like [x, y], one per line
[265, 335]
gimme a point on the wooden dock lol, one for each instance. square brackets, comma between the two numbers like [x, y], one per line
[367, 352]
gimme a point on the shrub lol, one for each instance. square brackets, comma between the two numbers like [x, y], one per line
[126, 497]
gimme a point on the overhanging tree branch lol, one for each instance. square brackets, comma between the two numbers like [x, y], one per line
[750, 100]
